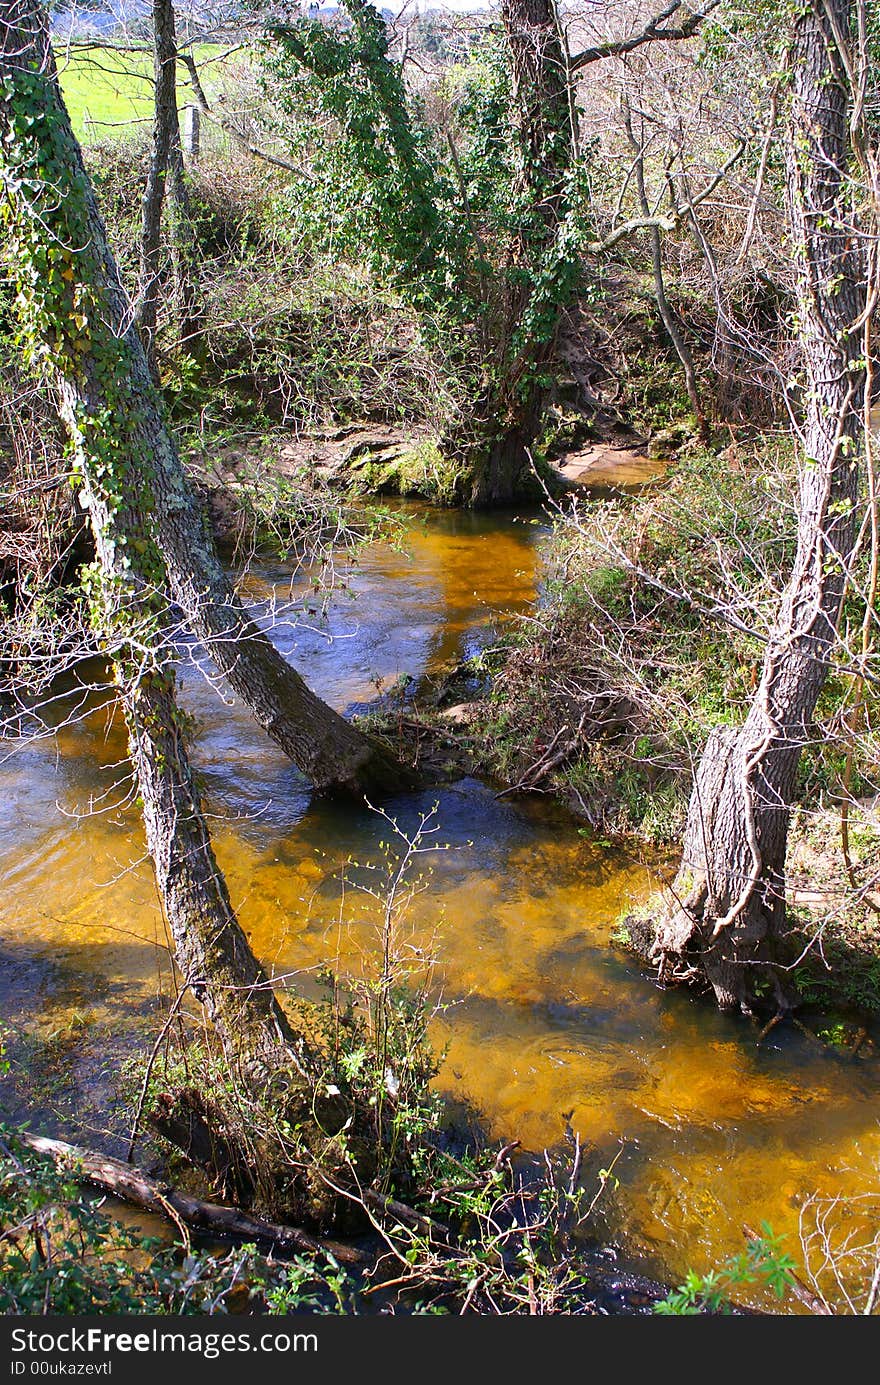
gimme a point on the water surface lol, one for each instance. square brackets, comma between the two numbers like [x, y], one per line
[543, 1018]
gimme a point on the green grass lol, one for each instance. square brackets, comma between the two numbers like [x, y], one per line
[109, 93]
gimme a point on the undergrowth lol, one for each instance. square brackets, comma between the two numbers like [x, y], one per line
[650, 635]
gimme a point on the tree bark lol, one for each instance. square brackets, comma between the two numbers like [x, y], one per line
[134, 1186]
[164, 127]
[729, 918]
[166, 175]
[533, 298]
[501, 463]
[333, 754]
[184, 251]
[547, 265]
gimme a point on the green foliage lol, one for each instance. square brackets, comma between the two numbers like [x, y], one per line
[765, 25]
[480, 233]
[764, 1261]
[307, 345]
[290, 336]
[480, 94]
[846, 972]
[656, 395]
[420, 470]
[379, 185]
[620, 933]
[633, 634]
[61, 1253]
[513, 1248]
[309, 1286]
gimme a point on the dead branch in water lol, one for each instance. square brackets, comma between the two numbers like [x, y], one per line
[134, 1186]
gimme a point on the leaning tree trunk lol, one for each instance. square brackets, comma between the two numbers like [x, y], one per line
[509, 414]
[47, 234]
[730, 890]
[212, 952]
[331, 752]
[62, 296]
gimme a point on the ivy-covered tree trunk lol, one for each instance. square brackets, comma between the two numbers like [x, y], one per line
[333, 754]
[541, 277]
[426, 251]
[89, 363]
[728, 920]
[63, 308]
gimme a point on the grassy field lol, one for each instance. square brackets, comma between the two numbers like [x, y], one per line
[109, 93]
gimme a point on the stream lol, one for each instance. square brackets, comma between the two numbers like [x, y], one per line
[542, 1016]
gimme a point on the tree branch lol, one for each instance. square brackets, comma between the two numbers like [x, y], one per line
[654, 29]
[668, 223]
[228, 126]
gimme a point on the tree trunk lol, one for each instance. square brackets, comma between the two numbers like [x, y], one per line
[166, 173]
[129, 604]
[213, 954]
[134, 1186]
[544, 269]
[500, 468]
[80, 268]
[165, 125]
[540, 82]
[730, 889]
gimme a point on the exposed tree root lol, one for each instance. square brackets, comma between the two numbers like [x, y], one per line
[682, 943]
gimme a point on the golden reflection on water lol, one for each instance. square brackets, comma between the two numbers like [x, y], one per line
[543, 1019]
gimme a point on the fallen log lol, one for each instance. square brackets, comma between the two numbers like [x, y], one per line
[629, 1291]
[133, 1185]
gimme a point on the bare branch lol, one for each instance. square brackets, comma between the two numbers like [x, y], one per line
[655, 29]
[671, 222]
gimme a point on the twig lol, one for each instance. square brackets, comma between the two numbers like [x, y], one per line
[149, 1070]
